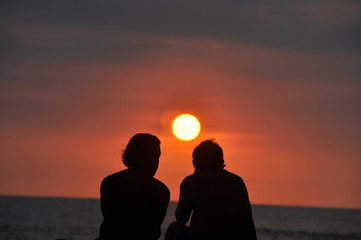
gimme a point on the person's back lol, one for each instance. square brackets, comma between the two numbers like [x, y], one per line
[216, 201]
[221, 209]
[133, 202]
[133, 206]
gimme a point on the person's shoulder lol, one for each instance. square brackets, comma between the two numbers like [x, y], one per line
[114, 176]
[117, 174]
[232, 175]
[199, 176]
[160, 186]
[191, 179]
[159, 183]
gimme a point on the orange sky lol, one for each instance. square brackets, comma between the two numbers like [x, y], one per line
[285, 108]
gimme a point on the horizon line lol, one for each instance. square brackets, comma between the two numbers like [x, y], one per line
[172, 201]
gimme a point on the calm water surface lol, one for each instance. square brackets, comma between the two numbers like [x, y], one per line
[36, 218]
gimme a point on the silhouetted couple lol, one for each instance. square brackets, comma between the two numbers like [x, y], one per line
[134, 203]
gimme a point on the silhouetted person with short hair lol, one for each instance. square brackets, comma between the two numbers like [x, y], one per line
[133, 202]
[216, 199]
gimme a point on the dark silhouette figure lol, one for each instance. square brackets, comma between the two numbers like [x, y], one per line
[133, 202]
[217, 199]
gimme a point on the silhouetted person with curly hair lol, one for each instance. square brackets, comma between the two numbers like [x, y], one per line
[133, 202]
[215, 199]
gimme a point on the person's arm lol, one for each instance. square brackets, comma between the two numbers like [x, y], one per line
[164, 204]
[249, 216]
[186, 202]
[105, 203]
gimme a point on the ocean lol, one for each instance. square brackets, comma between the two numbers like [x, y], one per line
[42, 218]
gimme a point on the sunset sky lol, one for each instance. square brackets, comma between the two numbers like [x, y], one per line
[276, 83]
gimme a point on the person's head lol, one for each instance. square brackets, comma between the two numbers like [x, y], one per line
[142, 153]
[208, 155]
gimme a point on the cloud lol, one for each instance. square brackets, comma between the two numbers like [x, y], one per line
[310, 25]
[277, 82]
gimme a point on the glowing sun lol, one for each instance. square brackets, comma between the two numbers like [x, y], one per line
[186, 127]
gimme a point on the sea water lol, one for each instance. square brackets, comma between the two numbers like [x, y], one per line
[39, 218]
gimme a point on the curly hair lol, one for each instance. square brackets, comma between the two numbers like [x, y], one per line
[208, 155]
[141, 150]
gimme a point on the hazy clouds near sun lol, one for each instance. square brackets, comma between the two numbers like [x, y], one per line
[281, 79]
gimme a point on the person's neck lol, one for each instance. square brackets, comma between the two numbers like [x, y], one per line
[209, 170]
[141, 172]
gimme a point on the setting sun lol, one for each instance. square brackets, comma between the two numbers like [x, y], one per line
[186, 127]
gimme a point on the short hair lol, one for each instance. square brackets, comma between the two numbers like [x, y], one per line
[208, 155]
[141, 151]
